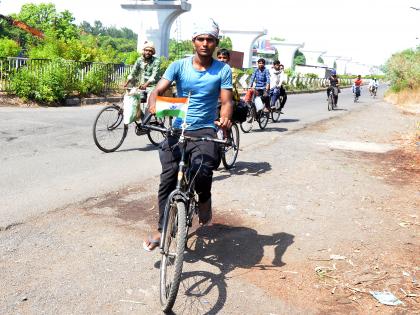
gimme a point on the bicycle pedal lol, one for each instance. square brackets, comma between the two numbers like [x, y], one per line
[140, 131]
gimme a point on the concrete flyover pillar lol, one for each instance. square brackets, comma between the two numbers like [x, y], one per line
[243, 40]
[312, 56]
[286, 51]
[342, 65]
[330, 60]
[155, 18]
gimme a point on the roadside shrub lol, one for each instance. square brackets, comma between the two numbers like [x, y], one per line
[93, 80]
[9, 48]
[50, 84]
[311, 75]
[403, 70]
[23, 83]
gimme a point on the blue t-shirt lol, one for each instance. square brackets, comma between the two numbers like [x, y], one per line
[205, 89]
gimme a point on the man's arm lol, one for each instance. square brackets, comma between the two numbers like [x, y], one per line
[226, 108]
[160, 88]
[134, 72]
[267, 74]
[251, 81]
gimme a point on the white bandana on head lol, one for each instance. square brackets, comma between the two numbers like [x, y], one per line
[206, 27]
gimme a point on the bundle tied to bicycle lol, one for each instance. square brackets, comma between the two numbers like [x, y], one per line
[131, 104]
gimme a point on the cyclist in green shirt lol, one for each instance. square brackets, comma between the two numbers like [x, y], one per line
[144, 74]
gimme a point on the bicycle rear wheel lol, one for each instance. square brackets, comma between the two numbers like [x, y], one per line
[246, 126]
[335, 100]
[230, 153]
[262, 118]
[109, 130]
[174, 238]
[275, 112]
[156, 137]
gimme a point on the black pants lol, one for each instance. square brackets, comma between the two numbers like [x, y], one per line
[284, 94]
[204, 158]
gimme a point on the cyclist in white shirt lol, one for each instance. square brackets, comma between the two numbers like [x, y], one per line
[277, 77]
[373, 85]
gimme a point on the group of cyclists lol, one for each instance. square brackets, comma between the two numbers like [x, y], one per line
[334, 86]
[207, 82]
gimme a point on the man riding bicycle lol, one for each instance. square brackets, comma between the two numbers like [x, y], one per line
[333, 82]
[357, 85]
[261, 76]
[145, 70]
[202, 79]
[373, 86]
[276, 85]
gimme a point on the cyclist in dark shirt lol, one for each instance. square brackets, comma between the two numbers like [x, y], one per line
[334, 82]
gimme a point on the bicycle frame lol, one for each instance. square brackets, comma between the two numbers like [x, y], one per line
[184, 190]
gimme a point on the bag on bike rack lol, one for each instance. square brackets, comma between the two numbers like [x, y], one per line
[248, 95]
[240, 111]
[130, 105]
[259, 105]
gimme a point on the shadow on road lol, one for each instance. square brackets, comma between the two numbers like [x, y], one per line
[244, 168]
[270, 129]
[290, 120]
[149, 147]
[227, 248]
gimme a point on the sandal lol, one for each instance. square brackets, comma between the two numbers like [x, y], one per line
[150, 244]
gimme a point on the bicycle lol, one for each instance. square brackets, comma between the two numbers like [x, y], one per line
[181, 206]
[253, 113]
[356, 91]
[109, 130]
[373, 90]
[333, 98]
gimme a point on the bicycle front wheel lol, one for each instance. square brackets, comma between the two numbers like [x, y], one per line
[230, 153]
[246, 126]
[175, 235]
[109, 130]
[262, 119]
[156, 137]
[330, 102]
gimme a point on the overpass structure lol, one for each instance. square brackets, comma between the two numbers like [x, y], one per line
[329, 61]
[243, 40]
[342, 64]
[155, 20]
[286, 51]
[312, 57]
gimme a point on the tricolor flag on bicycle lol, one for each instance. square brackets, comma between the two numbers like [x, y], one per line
[171, 106]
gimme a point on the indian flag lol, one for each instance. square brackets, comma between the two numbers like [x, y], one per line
[171, 106]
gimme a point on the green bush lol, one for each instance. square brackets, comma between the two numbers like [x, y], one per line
[311, 75]
[23, 83]
[9, 48]
[93, 81]
[52, 84]
[403, 70]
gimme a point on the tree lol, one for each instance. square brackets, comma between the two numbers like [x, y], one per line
[299, 58]
[9, 48]
[226, 43]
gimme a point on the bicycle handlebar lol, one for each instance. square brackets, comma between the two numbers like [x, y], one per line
[176, 132]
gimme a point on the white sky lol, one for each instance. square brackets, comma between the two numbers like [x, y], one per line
[367, 31]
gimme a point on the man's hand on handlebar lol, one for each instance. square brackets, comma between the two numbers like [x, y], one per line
[224, 123]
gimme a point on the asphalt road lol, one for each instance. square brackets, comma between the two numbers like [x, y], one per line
[49, 159]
